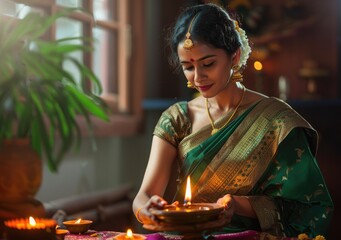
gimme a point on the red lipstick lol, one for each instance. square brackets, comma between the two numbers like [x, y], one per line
[205, 87]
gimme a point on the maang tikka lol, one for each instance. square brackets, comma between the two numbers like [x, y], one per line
[188, 43]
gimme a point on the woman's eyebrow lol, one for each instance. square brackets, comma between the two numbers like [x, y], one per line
[200, 59]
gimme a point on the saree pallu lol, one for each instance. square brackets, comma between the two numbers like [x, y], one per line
[267, 153]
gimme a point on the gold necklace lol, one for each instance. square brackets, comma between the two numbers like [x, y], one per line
[214, 129]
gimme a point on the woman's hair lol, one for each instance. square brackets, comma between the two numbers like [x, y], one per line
[212, 25]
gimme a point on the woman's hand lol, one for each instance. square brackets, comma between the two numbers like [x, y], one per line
[145, 216]
[229, 204]
[239, 205]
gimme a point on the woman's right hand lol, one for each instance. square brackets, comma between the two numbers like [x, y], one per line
[145, 216]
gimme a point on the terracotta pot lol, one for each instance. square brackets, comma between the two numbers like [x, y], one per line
[20, 171]
[20, 180]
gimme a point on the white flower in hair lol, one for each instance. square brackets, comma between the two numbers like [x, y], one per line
[245, 47]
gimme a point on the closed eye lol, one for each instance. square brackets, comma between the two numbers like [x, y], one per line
[189, 68]
[209, 64]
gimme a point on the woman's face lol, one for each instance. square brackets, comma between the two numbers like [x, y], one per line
[206, 67]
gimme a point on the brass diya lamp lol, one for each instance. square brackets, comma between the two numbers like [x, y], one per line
[30, 229]
[79, 226]
[61, 233]
[129, 235]
[190, 218]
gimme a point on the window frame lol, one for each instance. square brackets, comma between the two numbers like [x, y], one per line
[126, 115]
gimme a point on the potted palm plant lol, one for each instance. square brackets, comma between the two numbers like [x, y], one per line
[40, 101]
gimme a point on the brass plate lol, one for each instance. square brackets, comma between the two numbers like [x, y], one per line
[195, 213]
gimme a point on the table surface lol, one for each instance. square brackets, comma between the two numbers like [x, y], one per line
[109, 235]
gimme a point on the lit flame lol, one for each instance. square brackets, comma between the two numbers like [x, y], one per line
[129, 233]
[32, 221]
[188, 195]
[79, 220]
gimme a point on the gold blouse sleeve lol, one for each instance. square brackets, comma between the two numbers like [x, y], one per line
[174, 124]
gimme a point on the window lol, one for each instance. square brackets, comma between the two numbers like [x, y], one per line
[118, 57]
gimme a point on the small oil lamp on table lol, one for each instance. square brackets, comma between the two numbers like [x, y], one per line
[190, 219]
[79, 226]
[60, 233]
[30, 229]
[129, 236]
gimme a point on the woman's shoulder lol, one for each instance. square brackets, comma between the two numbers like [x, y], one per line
[177, 113]
[253, 97]
[174, 123]
[178, 108]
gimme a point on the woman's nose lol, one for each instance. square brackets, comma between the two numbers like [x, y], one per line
[198, 75]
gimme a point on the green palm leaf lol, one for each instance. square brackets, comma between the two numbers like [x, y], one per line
[39, 98]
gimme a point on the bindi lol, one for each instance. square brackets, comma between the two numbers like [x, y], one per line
[192, 60]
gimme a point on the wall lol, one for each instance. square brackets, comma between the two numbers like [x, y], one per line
[85, 171]
[288, 42]
[116, 161]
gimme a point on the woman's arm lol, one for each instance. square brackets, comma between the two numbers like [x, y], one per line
[155, 179]
[240, 205]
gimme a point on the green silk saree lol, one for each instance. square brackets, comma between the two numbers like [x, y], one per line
[267, 153]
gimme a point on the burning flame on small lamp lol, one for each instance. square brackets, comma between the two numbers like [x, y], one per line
[188, 195]
[31, 221]
[79, 220]
[129, 233]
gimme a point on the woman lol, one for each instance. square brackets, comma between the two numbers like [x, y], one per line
[249, 152]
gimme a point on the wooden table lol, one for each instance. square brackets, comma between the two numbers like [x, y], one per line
[109, 235]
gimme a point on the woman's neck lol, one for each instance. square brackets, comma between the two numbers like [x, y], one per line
[227, 98]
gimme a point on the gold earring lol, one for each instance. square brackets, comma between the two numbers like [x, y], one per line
[190, 85]
[236, 75]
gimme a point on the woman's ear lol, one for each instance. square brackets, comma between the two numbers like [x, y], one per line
[236, 57]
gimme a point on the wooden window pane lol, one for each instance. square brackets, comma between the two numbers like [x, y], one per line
[7, 8]
[65, 28]
[112, 31]
[105, 60]
[69, 3]
[112, 23]
[106, 10]
[18, 10]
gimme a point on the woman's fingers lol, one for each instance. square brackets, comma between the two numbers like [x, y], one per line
[225, 201]
[154, 202]
[147, 217]
[176, 203]
[157, 201]
[228, 203]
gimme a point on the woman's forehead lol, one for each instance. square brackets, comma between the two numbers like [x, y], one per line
[199, 52]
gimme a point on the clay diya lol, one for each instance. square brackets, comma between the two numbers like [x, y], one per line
[60, 233]
[30, 229]
[129, 236]
[77, 226]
